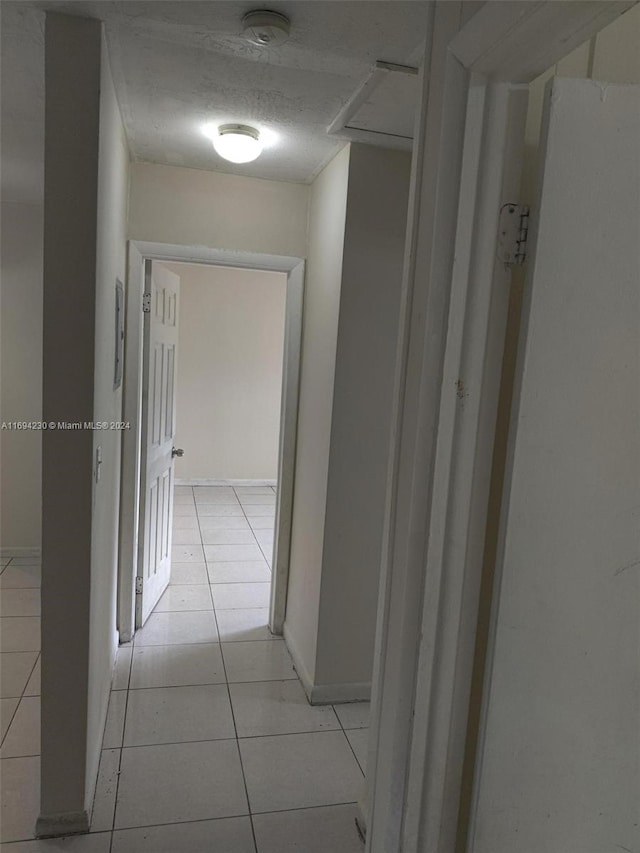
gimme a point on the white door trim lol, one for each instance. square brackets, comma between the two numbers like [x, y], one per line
[139, 252]
[452, 331]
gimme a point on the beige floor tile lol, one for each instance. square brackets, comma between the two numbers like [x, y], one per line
[122, 668]
[177, 665]
[244, 625]
[189, 573]
[186, 536]
[20, 633]
[300, 771]
[115, 720]
[220, 510]
[186, 554]
[228, 537]
[239, 571]
[257, 661]
[20, 602]
[33, 687]
[16, 576]
[15, 669]
[98, 843]
[23, 737]
[329, 829]
[227, 835]
[185, 597]
[19, 798]
[240, 596]
[178, 714]
[359, 740]
[104, 803]
[164, 629]
[277, 707]
[8, 707]
[180, 782]
[353, 715]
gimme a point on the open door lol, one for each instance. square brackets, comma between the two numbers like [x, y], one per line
[558, 766]
[161, 298]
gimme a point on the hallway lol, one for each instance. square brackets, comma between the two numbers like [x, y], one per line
[210, 743]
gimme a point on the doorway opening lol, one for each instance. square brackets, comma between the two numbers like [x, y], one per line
[228, 388]
[151, 384]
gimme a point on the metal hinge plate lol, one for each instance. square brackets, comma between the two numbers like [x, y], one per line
[146, 303]
[513, 230]
[139, 584]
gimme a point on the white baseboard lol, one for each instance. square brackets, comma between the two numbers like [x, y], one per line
[67, 823]
[21, 552]
[203, 481]
[300, 668]
[325, 694]
[339, 694]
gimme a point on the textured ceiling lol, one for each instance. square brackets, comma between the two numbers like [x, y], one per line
[180, 65]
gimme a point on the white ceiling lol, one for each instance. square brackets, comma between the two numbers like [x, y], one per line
[180, 65]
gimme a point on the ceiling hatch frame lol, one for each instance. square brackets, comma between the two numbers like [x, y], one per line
[380, 73]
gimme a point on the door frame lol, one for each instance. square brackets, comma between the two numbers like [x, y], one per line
[469, 135]
[140, 252]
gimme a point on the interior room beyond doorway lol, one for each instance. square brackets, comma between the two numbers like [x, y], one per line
[229, 374]
[229, 377]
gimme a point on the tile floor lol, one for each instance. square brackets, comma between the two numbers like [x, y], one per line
[210, 745]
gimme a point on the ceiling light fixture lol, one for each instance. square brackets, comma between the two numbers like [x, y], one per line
[265, 28]
[238, 143]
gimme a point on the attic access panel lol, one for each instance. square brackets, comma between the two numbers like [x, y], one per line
[382, 110]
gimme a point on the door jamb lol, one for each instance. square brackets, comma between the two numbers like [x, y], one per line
[430, 581]
[138, 253]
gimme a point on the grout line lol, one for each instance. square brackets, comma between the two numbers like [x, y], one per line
[344, 731]
[20, 698]
[210, 819]
[203, 642]
[235, 727]
[233, 716]
[119, 770]
[22, 755]
[236, 739]
[268, 560]
[309, 808]
[21, 617]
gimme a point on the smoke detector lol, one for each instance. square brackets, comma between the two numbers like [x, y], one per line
[265, 28]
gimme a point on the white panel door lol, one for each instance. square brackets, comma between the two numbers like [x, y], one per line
[158, 427]
[559, 763]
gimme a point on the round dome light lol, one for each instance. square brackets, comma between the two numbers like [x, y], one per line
[238, 143]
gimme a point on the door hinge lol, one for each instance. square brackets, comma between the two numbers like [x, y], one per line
[513, 230]
[146, 303]
[139, 584]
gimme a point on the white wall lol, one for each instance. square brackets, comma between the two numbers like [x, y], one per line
[374, 242]
[195, 208]
[558, 766]
[21, 219]
[327, 212]
[613, 56]
[113, 188]
[231, 339]
[356, 252]
[85, 223]
[21, 400]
